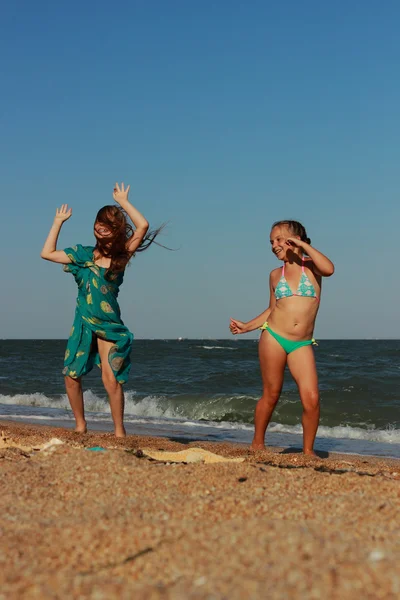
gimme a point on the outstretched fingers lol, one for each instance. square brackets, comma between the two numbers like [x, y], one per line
[120, 193]
[63, 212]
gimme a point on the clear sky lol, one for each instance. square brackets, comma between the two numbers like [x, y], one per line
[224, 116]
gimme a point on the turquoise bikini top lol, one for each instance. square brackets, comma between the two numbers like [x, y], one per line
[305, 287]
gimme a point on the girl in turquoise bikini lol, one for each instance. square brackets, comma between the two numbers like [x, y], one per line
[287, 328]
[98, 335]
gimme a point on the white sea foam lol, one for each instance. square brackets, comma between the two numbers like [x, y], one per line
[390, 435]
[217, 347]
[151, 406]
[92, 402]
[157, 409]
[28, 400]
[66, 417]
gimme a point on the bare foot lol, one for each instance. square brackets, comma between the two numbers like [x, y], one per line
[120, 433]
[310, 453]
[81, 428]
[254, 447]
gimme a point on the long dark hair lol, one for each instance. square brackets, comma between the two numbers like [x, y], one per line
[295, 228]
[114, 245]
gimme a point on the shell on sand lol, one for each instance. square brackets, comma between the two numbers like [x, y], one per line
[192, 455]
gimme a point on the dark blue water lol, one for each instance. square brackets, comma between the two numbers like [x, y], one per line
[209, 388]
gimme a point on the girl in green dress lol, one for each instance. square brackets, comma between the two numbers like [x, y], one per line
[98, 335]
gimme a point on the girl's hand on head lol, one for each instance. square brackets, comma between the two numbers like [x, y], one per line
[296, 242]
[120, 194]
[63, 213]
[237, 327]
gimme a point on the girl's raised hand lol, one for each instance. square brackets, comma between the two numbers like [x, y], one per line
[63, 213]
[120, 194]
[296, 242]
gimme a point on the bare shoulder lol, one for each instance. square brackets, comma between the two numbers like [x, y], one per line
[275, 275]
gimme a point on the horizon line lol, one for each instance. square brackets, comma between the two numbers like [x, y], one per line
[182, 339]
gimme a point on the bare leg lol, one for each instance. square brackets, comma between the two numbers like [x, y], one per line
[75, 397]
[302, 366]
[272, 363]
[113, 389]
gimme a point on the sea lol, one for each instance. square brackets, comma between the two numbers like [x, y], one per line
[207, 390]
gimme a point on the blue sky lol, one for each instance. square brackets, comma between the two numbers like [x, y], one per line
[224, 116]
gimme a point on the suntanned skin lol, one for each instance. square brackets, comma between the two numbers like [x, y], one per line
[293, 318]
[112, 386]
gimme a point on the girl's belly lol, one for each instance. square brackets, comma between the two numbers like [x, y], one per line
[294, 318]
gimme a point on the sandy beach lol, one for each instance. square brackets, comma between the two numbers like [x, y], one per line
[116, 524]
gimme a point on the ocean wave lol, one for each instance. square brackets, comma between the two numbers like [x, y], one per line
[217, 347]
[236, 408]
[390, 435]
[218, 412]
[92, 402]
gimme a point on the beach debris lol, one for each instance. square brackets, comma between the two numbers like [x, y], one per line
[376, 555]
[97, 449]
[392, 475]
[6, 442]
[191, 455]
[49, 446]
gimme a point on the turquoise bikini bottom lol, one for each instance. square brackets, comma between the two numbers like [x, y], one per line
[288, 345]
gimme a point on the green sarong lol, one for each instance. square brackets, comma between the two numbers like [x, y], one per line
[97, 315]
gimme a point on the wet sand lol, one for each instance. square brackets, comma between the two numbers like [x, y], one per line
[84, 524]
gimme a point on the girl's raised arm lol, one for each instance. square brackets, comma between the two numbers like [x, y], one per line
[50, 251]
[120, 196]
[322, 265]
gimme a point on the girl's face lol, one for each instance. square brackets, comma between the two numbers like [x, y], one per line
[101, 230]
[278, 237]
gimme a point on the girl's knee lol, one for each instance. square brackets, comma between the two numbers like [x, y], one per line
[270, 397]
[109, 382]
[71, 383]
[310, 400]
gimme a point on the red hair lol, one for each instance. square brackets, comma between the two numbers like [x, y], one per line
[114, 246]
